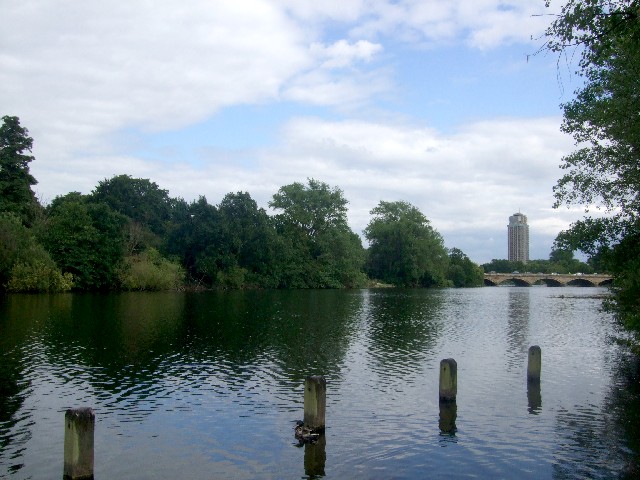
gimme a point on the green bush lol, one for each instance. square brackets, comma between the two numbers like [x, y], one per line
[25, 266]
[15, 239]
[234, 277]
[149, 270]
[38, 276]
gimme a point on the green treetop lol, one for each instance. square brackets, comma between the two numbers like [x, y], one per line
[317, 248]
[16, 195]
[404, 248]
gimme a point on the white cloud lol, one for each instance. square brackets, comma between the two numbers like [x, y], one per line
[111, 65]
[75, 72]
[343, 54]
[97, 67]
[480, 23]
[344, 92]
[327, 85]
[312, 11]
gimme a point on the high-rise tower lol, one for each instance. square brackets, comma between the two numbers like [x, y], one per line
[518, 232]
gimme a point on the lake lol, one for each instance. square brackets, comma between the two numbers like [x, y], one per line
[210, 385]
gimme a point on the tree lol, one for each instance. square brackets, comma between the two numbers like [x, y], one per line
[462, 271]
[25, 266]
[404, 248]
[317, 247]
[312, 208]
[248, 238]
[15, 180]
[147, 206]
[14, 241]
[560, 255]
[500, 265]
[602, 173]
[85, 239]
[563, 261]
[602, 117]
[195, 237]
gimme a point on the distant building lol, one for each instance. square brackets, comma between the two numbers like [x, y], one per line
[518, 232]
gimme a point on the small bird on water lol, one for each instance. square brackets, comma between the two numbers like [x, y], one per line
[305, 434]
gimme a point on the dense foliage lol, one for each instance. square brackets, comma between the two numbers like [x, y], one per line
[317, 245]
[85, 239]
[25, 266]
[404, 248]
[146, 207]
[16, 195]
[602, 173]
[462, 272]
[149, 270]
[130, 234]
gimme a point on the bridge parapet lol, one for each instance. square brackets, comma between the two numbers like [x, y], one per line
[553, 280]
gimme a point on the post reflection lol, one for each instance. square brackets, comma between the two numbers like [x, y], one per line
[518, 325]
[315, 457]
[448, 414]
[534, 397]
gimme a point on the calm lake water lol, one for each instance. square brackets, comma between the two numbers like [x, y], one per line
[209, 385]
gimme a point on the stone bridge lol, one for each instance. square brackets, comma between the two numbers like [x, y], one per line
[549, 279]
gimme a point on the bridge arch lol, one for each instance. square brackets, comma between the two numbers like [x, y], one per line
[549, 282]
[580, 282]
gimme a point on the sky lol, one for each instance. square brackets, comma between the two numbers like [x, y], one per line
[445, 105]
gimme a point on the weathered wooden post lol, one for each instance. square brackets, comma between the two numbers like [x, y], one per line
[315, 403]
[448, 380]
[534, 369]
[534, 366]
[79, 426]
[447, 395]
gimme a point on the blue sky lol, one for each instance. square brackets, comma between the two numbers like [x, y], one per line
[441, 104]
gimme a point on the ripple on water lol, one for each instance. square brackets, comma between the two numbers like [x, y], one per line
[211, 396]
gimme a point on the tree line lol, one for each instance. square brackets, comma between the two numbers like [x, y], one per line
[129, 234]
[560, 261]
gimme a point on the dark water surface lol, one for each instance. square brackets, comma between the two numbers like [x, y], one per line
[210, 385]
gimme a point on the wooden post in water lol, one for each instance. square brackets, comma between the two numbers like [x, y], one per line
[79, 426]
[315, 403]
[534, 366]
[448, 380]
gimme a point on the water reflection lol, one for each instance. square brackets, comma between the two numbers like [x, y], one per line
[22, 321]
[404, 325]
[13, 391]
[315, 458]
[204, 385]
[534, 397]
[519, 312]
[447, 417]
[133, 342]
[592, 438]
